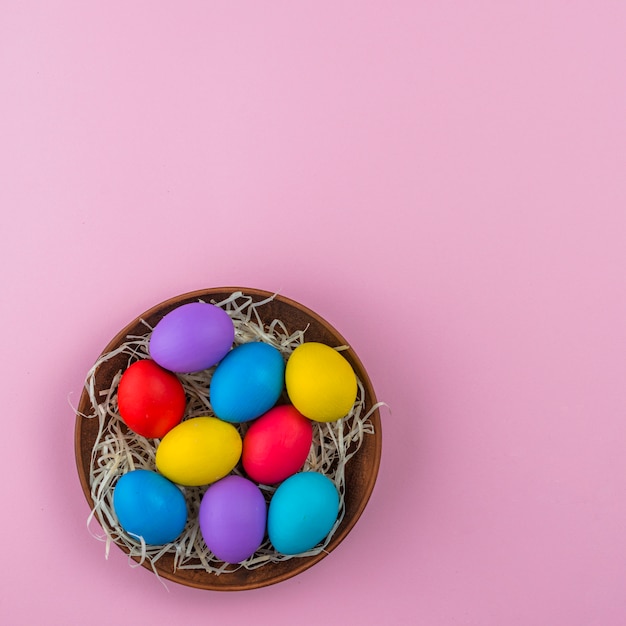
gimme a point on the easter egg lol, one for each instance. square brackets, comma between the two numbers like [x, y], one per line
[302, 512]
[192, 337]
[247, 382]
[320, 382]
[151, 400]
[276, 445]
[150, 506]
[232, 518]
[199, 451]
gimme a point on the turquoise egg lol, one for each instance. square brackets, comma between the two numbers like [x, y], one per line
[148, 505]
[247, 382]
[302, 512]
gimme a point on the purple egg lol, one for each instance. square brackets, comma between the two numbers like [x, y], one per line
[192, 337]
[232, 517]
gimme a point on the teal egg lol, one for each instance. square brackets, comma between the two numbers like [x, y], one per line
[302, 512]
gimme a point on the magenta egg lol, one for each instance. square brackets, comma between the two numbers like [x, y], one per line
[232, 518]
[276, 445]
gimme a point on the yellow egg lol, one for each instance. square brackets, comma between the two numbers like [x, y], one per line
[320, 382]
[199, 451]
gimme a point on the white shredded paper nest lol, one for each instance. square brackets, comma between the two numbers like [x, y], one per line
[118, 450]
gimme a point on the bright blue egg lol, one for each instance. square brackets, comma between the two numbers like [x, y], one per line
[302, 512]
[148, 505]
[247, 382]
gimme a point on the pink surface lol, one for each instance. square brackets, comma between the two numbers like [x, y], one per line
[444, 182]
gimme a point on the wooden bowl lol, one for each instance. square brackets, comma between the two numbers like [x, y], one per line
[360, 472]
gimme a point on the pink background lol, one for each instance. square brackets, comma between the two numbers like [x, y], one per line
[443, 181]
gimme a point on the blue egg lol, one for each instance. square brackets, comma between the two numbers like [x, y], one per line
[302, 512]
[148, 505]
[247, 382]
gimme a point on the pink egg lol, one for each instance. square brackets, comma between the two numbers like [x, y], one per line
[276, 445]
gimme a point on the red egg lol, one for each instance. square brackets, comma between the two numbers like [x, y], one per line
[151, 400]
[276, 445]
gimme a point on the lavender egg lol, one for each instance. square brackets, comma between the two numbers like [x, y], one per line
[191, 338]
[232, 518]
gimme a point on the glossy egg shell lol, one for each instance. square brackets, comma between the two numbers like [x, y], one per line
[302, 512]
[150, 399]
[199, 451]
[232, 518]
[247, 382]
[320, 382]
[192, 337]
[276, 445]
[150, 506]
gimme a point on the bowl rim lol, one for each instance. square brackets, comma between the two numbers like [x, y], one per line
[300, 564]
